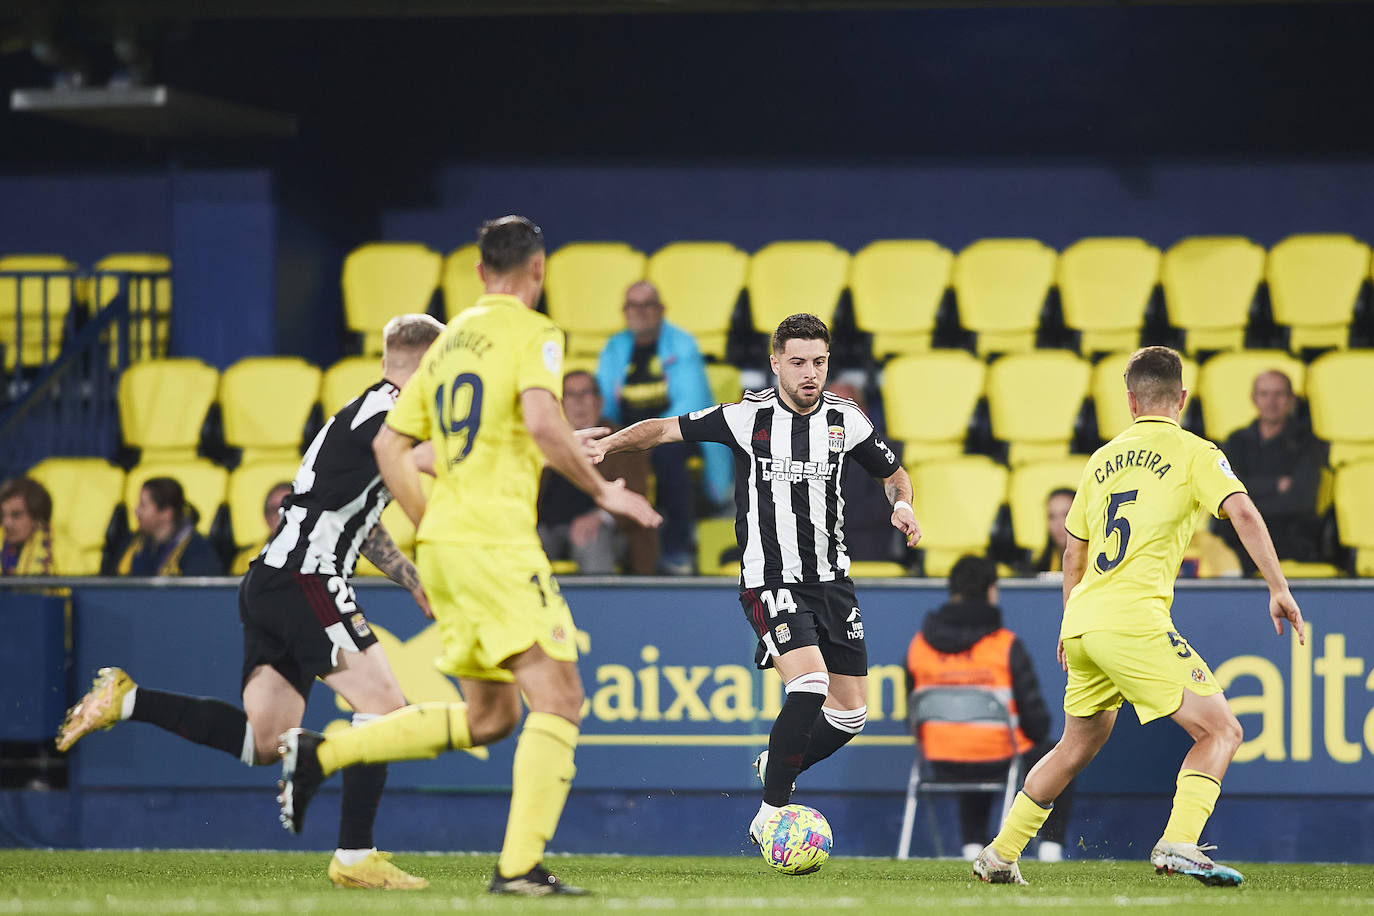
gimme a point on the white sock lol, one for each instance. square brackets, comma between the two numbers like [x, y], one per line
[127, 709]
[249, 753]
[353, 856]
[765, 812]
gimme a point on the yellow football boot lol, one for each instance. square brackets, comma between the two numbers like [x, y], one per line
[99, 708]
[376, 872]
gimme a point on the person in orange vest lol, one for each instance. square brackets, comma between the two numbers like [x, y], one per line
[963, 643]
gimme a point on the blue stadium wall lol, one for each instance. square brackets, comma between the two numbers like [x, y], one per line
[674, 715]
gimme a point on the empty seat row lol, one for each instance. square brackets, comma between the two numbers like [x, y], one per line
[897, 287]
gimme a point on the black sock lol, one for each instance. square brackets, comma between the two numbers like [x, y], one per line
[362, 790]
[204, 720]
[826, 739]
[787, 745]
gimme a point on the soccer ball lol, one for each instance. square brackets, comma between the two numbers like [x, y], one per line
[796, 840]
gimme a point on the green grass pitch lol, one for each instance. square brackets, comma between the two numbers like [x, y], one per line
[38, 881]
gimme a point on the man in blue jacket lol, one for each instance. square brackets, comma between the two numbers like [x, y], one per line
[654, 369]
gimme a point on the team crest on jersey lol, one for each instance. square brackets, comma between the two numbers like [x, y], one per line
[835, 436]
[560, 634]
[359, 624]
[1199, 675]
[783, 633]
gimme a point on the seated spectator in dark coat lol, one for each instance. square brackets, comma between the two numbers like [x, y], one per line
[1280, 462]
[26, 513]
[868, 532]
[165, 542]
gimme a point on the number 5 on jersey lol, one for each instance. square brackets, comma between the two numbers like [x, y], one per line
[1118, 525]
[460, 411]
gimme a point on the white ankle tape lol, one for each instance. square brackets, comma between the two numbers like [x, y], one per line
[847, 720]
[811, 682]
[249, 754]
[362, 718]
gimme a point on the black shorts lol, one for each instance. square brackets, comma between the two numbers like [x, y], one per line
[298, 623]
[824, 614]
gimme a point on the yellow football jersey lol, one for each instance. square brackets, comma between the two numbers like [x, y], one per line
[466, 397]
[1139, 500]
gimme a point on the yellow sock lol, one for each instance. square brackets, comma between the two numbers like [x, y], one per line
[413, 733]
[542, 775]
[1193, 803]
[1023, 821]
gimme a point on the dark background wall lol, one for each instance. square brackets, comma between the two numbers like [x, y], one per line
[1053, 122]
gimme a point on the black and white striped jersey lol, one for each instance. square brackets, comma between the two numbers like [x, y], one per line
[337, 495]
[789, 513]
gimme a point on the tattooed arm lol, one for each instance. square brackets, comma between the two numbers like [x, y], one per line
[386, 556]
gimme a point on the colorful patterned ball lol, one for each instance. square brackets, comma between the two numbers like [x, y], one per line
[796, 840]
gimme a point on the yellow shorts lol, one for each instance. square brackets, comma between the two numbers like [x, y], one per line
[1148, 670]
[492, 603]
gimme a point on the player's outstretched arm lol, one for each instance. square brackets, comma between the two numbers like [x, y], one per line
[642, 435]
[396, 566]
[566, 455]
[402, 478]
[1254, 534]
[898, 490]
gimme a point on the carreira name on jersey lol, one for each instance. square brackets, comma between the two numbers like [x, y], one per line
[794, 471]
[1145, 458]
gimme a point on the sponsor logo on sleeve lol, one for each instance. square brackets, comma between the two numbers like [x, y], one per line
[553, 356]
[1226, 468]
[698, 414]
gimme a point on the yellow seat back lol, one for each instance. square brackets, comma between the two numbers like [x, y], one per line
[787, 278]
[204, 485]
[22, 305]
[265, 402]
[1001, 285]
[1355, 510]
[460, 282]
[714, 537]
[957, 500]
[247, 490]
[150, 301]
[1209, 284]
[1105, 285]
[1225, 383]
[1314, 283]
[162, 405]
[84, 494]
[1340, 389]
[1029, 489]
[931, 426]
[1034, 399]
[585, 291]
[1108, 391]
[897, 286]
[346, 379]
[724, 380]
[384, 279]
[699, 283]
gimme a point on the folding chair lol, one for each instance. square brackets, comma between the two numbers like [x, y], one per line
[964, 706]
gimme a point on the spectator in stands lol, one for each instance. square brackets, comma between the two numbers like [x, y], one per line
[868, 532]
[1280, 462]
[963, 643]
[26, 514]
[571, 525]
[271, 515]
[166, 542]
[1051, 559]
[654, 369]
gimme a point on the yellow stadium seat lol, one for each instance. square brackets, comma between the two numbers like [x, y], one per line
[956, 502]
[876, 569]
[585, 291]
[928, 400]
[384, 279]
[1209, 284]
[1301, 569]
[1105, 286]
[346, 379]
[1339, 387]
[266, 401]
[1225, 383]
[897, 286]
[714, 537]
[162, 404]
[1034, 399]
[246, 492]
[204, 484]
[150, 300]
[564, 567]
[1029, 489]
[1108, 390]
[460, 282]
[31, 296]
[1314, 283]
[724, 381]
[786, 278]
[1001, 285]
[699, 284]
[1355, 512]
[84, 494]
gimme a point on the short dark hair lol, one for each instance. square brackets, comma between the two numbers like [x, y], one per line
[166, 493]
[1060, 491]
[1155, 375]
[508, 243]
[282, 485]
[590, 377]
[971, 577]
[801, 326]
[37, 502]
